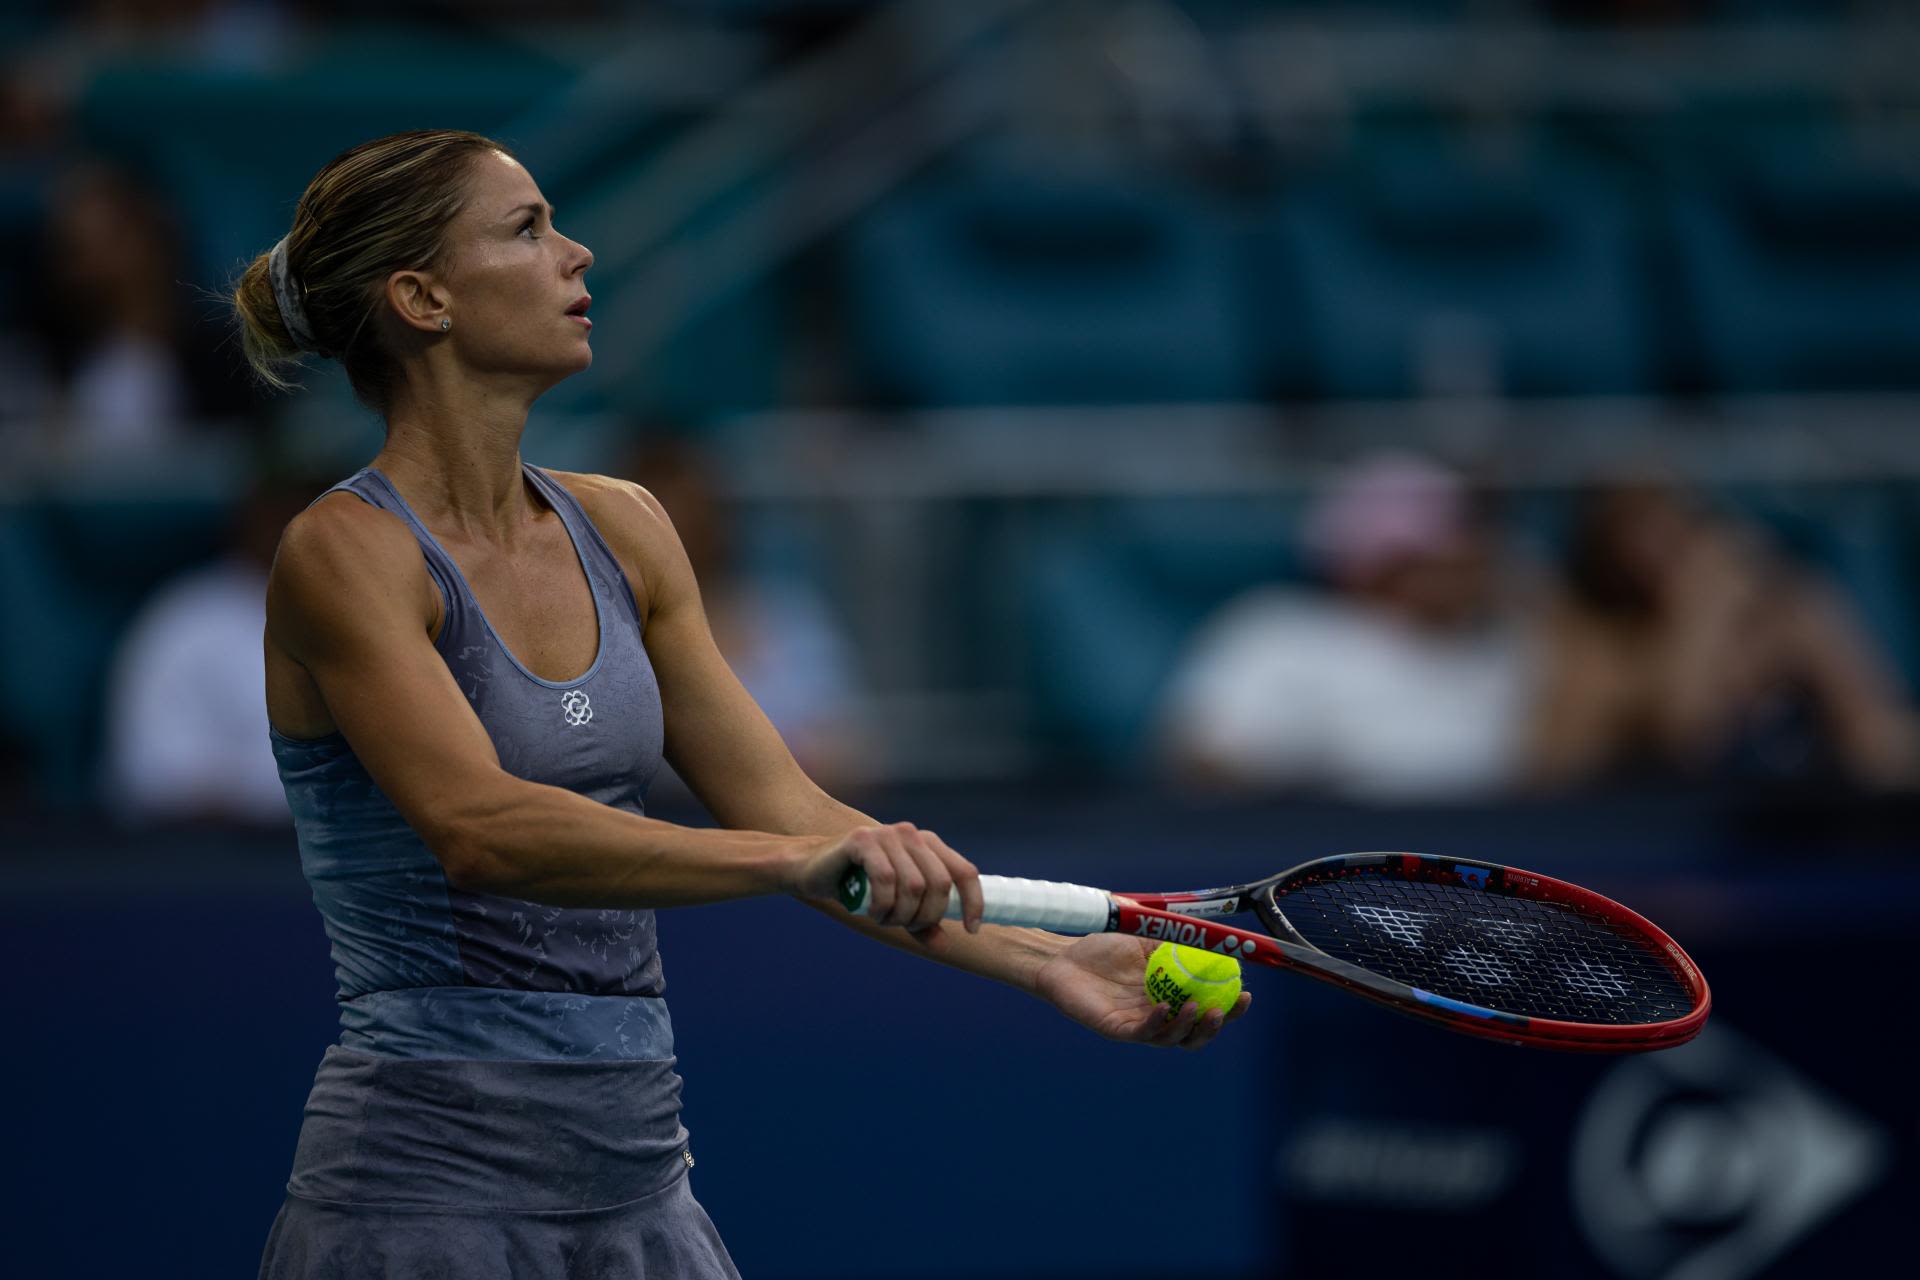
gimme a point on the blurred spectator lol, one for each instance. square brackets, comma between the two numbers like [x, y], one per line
[779, 636]
[1686, 646]
[1409, 682]
[135, 361]
[186, 704]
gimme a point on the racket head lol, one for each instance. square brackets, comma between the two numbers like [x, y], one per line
[1488, 950]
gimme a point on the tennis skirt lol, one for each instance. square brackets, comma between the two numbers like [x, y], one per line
[478, 1170]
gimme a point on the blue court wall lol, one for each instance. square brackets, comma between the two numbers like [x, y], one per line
[856, 1112]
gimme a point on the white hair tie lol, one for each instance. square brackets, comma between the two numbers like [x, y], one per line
[287, 295]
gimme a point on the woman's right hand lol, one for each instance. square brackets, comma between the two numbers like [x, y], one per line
[910, 874]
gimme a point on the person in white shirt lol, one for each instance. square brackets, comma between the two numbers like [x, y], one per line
[1410, 681]
[186, 725]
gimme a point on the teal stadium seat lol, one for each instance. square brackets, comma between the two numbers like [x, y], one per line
[1008, 286]
[1411, 265]
[1801, 263]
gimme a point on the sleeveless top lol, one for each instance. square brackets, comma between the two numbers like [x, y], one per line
[429, 970]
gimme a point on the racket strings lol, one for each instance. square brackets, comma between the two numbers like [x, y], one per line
[1539, 959]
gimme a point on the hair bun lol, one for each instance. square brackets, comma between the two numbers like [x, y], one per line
[287, 294]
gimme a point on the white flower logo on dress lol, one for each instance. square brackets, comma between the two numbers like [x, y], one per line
[578, 709]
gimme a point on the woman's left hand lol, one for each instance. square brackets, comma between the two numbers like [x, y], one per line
[1100, 982]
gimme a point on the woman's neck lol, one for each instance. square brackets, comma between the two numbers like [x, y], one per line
[460, 475]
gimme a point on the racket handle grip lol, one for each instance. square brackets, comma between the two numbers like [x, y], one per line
[1032, 904]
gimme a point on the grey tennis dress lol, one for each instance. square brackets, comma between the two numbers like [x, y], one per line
[502, 1101]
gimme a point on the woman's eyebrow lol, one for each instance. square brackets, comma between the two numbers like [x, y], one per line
[535, 205]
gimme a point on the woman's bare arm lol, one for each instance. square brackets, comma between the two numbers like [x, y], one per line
[727, 751]
[349, 602]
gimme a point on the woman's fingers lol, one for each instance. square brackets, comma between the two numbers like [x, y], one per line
[966, 878]
[1193, 1029]
[1167, 1032]
[920, 882]
[866, 848]
[889, 858]
[930, 872]
[926, 872]
[912, 877]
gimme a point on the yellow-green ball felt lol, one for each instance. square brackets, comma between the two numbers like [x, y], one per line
[1177, 974]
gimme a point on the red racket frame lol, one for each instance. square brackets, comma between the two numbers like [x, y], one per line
[1158, 916]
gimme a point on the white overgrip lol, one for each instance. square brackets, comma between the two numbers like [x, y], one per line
[1009, 900]
[1039, 904]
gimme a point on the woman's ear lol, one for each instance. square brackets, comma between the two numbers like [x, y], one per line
[418, 301]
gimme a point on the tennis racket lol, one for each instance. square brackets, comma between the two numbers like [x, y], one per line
[1478, 948]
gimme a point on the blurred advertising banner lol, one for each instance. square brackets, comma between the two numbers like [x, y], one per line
[1779, 1143]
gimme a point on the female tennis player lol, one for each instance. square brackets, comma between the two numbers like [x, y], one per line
[474, 669]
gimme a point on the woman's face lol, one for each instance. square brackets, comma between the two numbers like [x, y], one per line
[511, 278]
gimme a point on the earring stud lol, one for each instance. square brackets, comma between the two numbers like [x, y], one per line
[445, 324]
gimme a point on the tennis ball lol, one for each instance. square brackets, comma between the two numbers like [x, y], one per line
[1177, 974]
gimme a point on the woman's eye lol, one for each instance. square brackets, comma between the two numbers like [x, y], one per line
[528, 227]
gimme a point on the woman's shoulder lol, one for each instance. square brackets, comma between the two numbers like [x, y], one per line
[632, 522]
[338, 550]
[626, 515]
[341, 528]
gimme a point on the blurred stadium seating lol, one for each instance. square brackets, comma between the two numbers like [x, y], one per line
[1002, 286]
[1551, 234]
[1420, 272]
[1802, 260]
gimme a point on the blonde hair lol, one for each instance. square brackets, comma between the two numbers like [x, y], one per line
[381, 207]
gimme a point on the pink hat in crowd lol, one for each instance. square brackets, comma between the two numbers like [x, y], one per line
[1387, 507]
